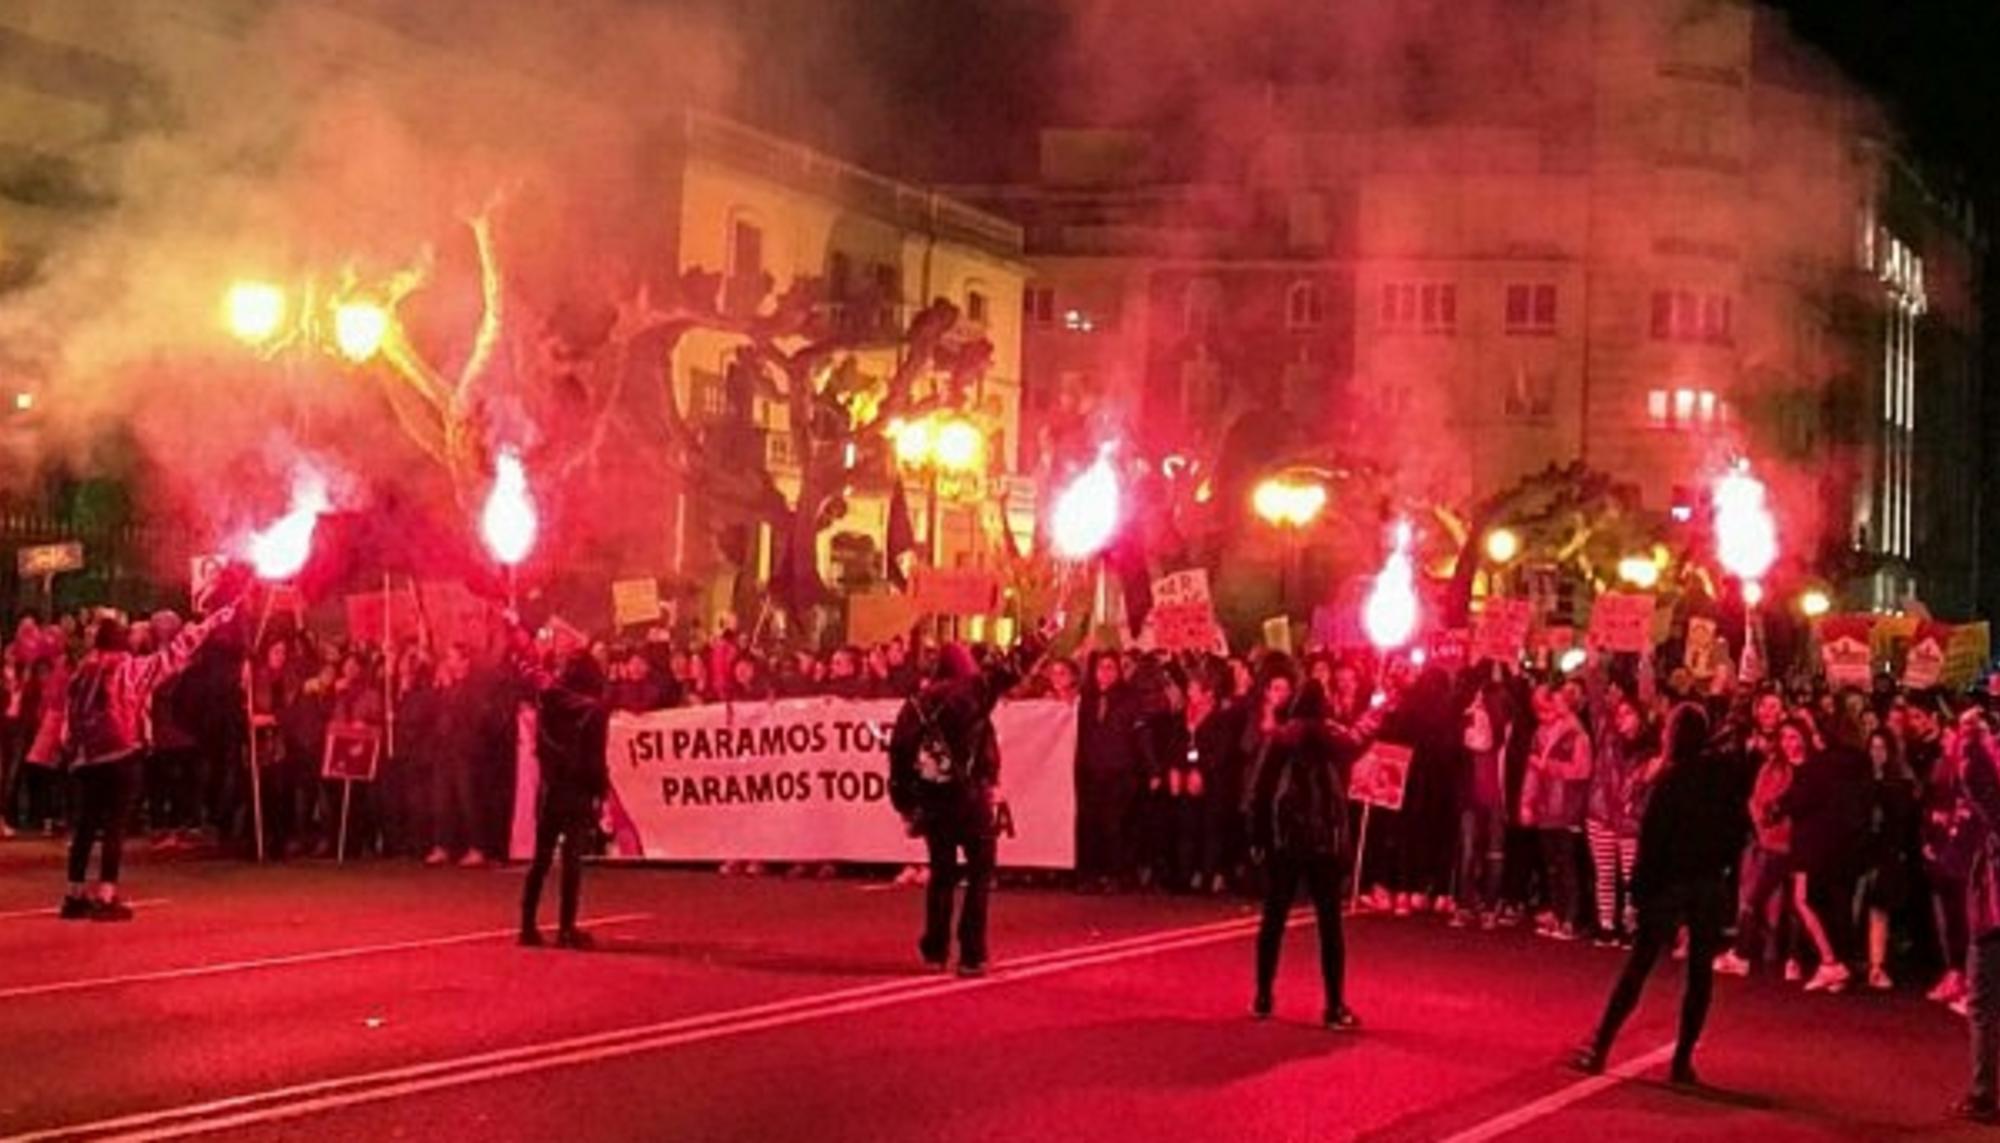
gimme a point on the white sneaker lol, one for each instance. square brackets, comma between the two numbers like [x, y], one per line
[1948, 989]
[1878, 979]
[1729, 964]
[1829, 978]
[437, 856]
[1962, 1007]
[473, 859]
[1794, 972]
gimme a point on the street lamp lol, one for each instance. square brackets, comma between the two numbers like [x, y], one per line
[1815, 602]
[1502, 545]
[254, 310]
[1640, 572]
[937, 446]
[359, 329]
[1289, 505]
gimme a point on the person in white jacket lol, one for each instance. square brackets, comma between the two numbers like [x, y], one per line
[104, 735]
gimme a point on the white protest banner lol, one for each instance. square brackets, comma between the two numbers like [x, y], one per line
[1501, 631]
[1622, 621]
[1380, 776]
[635, 601]
[807, 780]
[1183, 615]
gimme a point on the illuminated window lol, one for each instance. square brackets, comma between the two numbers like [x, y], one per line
[975, 307]
[1531, 310]
[709, 398]
[1685, 409]
[1304, 308]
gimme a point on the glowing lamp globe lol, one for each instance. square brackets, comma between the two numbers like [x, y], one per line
[958, 446]
[913, 442]
[1086, 513]
[255, 311]
[508, 523]
[280, 551]
[1389, 615]
[1502, 545]
[359, 329]
[1814, 603]
[1639, 571]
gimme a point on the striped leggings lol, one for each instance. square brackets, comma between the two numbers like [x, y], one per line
[1612, 857]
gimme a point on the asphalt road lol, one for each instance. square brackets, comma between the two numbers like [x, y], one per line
[382, 1001]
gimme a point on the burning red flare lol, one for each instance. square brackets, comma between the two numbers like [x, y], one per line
[508, 523]
[1390, 613]
[1746, 535]
[281, 550]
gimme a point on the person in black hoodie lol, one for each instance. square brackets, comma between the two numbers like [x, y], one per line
[572, 722]
[1689, 838]
[1831, 802]
[1296, 806]
[944, 779]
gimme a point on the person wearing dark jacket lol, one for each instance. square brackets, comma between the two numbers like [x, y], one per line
[1831, 801]
[1690, 836]
[1977, 839]
[572, 722]
[944, 779]
[1108, 763]
[1296, 808]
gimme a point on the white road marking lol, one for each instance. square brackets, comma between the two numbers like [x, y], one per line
[1508, 1122]
[222, 968]
[49, 911]
[395, 1083]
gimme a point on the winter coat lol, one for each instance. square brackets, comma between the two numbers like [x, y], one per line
[1618, 786]
[1108, 729]
[1557, 791]
[954, 715]
[1296, 801]
[127, 683]
[1694, 824]
[1831, 803]
[1978, 783]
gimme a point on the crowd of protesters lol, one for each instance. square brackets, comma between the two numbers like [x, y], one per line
[1521, 806]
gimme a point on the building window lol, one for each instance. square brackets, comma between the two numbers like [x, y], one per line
[1038, 304]
[1531, 395]
[888, 284]
[1076, 321]
[1683, 315]
[1426, 307]
[1201, 307]
[1531, 310]
[746, 250]
[778, 449]
[1304, 308]
[975, 307]
[708, 397]
[839, 272]
[1684, 410]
